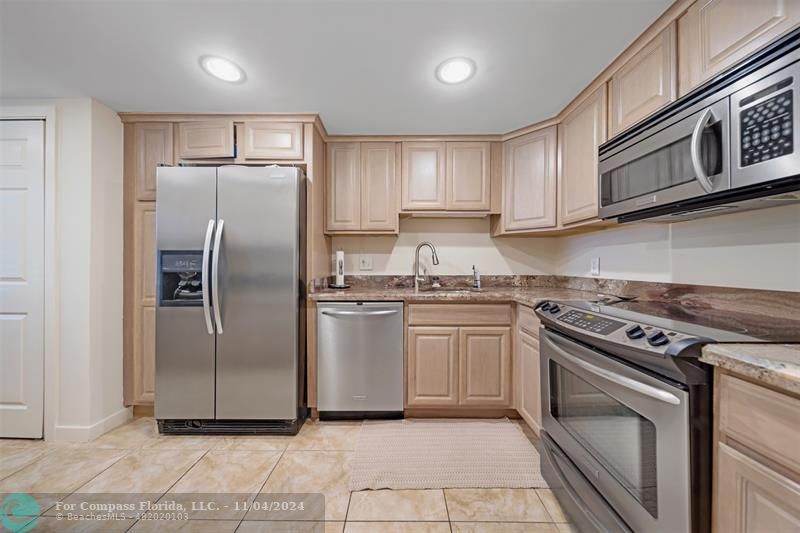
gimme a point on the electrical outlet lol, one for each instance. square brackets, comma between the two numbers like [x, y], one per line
[594, 269]
[365, 262]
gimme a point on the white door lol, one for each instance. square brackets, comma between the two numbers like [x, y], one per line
[21, 278]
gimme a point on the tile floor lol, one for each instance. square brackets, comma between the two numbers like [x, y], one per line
[134, 458]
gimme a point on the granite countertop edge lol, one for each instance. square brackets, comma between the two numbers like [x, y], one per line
[777, 365]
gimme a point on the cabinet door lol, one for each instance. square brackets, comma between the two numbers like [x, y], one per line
[646, 82]
[580, 133]
[272, 140]
[144, 283]
[752, 498]
[527, 382]
[716, 34]
[484, 366]
[207, 139]
[378, 186]
[432, 366]
[152, 146]
[423, 176]
[467, 176]
[344, 187]
[529, 175]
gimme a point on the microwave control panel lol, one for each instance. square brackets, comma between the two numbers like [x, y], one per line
[767, 126]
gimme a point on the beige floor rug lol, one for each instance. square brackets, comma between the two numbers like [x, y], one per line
[438, 454]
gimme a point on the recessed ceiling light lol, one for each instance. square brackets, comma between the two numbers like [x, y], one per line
[222, 69]
[455, 70]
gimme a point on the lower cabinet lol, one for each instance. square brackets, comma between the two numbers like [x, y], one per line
[144, 301]
[432, 366]
[527, 381]
[757, 458]
[463, 361]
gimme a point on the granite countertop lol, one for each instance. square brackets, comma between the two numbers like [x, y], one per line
[526, 296]
[774, 364]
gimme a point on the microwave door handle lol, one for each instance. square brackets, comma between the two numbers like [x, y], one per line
[697, 137]
[215, 276]
[204, 275]
[623, 381]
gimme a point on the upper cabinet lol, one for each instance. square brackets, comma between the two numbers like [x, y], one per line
[529, 181]
[362, 187]
[467, 176]
[423, 181]
[581, 131]
[379, 186]
[272, 140]
[715, 34]
[206, 139]
[646, 82]
[451, 176]
[152, 146]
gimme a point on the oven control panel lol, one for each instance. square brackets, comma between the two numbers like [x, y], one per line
[640, 335]
[590, 322]
[766, 127]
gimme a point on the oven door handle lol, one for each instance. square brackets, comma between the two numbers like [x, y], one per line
[697, 136]
[623, 381]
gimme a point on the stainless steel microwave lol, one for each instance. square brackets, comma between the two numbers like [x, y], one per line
[732, 144]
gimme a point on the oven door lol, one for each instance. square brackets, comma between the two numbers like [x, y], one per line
[625, 430]
[687, 159]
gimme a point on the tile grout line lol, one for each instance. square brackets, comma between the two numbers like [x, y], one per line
[447, 510]
[175, 483]
[45, 454]
[263, 484]
[546, 510]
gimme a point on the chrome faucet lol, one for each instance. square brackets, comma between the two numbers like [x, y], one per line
[417, 277]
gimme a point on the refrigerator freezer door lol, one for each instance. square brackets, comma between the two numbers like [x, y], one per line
[257, 351]
[187, 201]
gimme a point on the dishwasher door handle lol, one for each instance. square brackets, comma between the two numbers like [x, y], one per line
[384, 312]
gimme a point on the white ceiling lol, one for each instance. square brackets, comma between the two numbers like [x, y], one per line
[367, 66]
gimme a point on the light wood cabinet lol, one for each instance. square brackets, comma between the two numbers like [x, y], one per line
[144, 283]
[153, 146]
[362, 187]
[716, 34]
[529, 179]
[432, 366]
[459, 355]
[344, 187]
[468, 180]
[527, 381]
[272, 140]
[752, 498]
[484, 366]
[205, 139]
[757, 462]
[379, 186]
[580, 133]
[645, 83]
[423, 176]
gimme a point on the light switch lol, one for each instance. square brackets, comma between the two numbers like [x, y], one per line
[365, 262]
[595, 266]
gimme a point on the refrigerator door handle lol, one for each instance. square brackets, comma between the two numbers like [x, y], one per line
[205, 277]
[215, 275]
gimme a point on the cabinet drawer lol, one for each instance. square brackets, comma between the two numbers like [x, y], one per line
[459, 314]
[762, 419]
[527, 320]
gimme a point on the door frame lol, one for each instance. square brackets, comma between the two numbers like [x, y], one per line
[9, 111]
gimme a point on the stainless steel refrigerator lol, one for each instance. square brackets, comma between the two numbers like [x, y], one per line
[230, 328]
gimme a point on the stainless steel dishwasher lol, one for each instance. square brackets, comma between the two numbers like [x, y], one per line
[360, 359]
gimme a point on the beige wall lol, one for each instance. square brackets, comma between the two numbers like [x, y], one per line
[460, 244]
[88, 270]
[756, 249]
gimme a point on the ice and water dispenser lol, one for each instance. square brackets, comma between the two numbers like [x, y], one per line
[180, 278]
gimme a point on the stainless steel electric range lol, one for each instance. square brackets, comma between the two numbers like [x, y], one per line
[627, 410]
